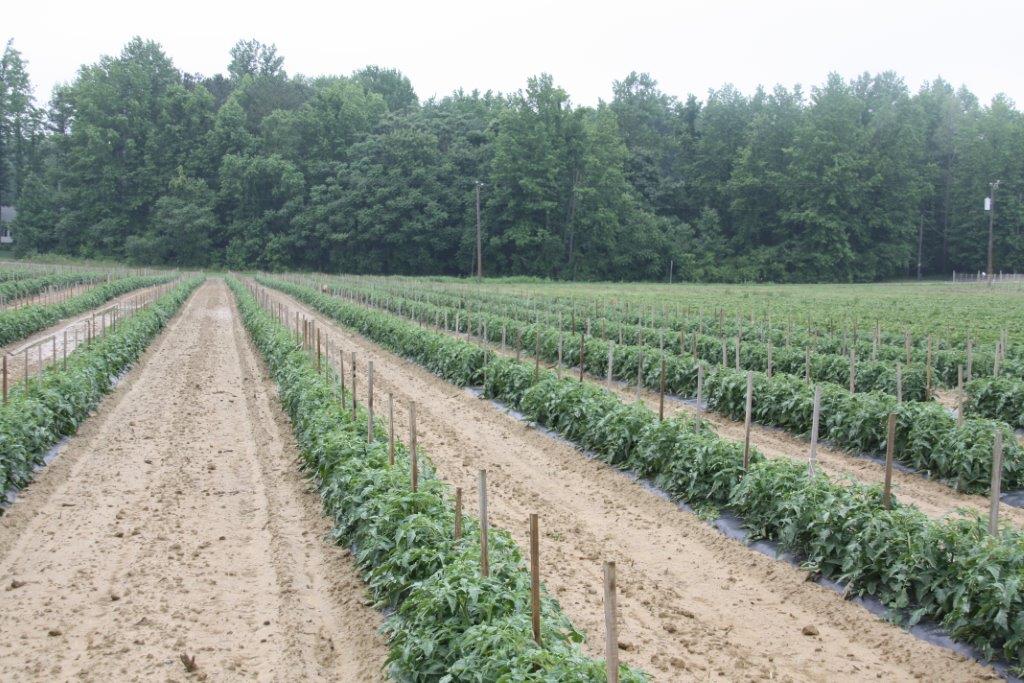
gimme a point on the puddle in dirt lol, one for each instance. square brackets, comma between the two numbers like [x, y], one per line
[11, 494]
[731, 526]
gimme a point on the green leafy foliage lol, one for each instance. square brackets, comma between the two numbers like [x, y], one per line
[18, 323]
[448, 623]
[950, 571]
[61, 397]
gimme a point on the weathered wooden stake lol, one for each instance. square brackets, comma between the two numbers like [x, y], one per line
[5, 377]
[890, 450]
[769, 360]
[583, 355]
[536, 357]
[535, 576]
[611, 350]
[746, 420]
[815, 420]
[353, 385]
[853, 370]
[959, 396]
[458, 512]
[997, 481]
[485, 565]
[369, 399]
[412, 447]
[661, 392]
[899, 383]
[639, 373]
[391, 429]
[558, 367]
[611, 630]
[700, 387]
[970, 359]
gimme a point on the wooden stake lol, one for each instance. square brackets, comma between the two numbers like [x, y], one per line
[899, 383]
[853, 370]
[412, 447]
[536, 358]
[583, 355]
[890, 449]
[458, 512]
[5, 377]
[815, 420]
[639, 372]
[369, 395]
[661, 393]
[769, 360]
[700, 387]
[959, 396]
[391, 429]
[611, 631]
[319, 366]
[746, 421]
[611, 351]
[970, 359]
[353, 385]
[997, 480]
[485, 567]
[535, 576]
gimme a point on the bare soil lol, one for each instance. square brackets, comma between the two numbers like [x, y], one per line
[176, 523]
[694, 604]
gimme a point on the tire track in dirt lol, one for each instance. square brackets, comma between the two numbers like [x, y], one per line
[177, 522]
[693, 603]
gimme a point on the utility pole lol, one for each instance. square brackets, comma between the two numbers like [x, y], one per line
[479, 247]
[920, 241]
[991, 219]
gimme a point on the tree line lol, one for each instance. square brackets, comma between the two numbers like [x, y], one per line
[853, 180]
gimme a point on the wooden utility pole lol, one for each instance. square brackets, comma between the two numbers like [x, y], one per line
[991, 220]
[479, 246]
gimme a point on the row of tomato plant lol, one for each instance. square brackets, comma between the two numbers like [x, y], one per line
[55, 402]
[22, 287]
[998, 397]
[950, 570]
[834, 348]
[447, 622]
[928, 438]
[18, 323]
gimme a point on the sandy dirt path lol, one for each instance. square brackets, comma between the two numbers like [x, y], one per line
[694, 605]
[42, 355]
[177, 521]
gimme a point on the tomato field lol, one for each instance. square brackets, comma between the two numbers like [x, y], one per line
[520, 480]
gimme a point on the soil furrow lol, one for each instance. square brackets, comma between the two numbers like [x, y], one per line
[176, 522]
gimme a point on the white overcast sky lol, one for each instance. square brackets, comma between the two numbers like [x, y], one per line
[688, 46]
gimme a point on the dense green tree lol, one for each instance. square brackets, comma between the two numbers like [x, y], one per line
[182, 229]
[20, 125]
[855, 179]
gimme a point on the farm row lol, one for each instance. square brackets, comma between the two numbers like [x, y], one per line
[920, 567]
[927, 437]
